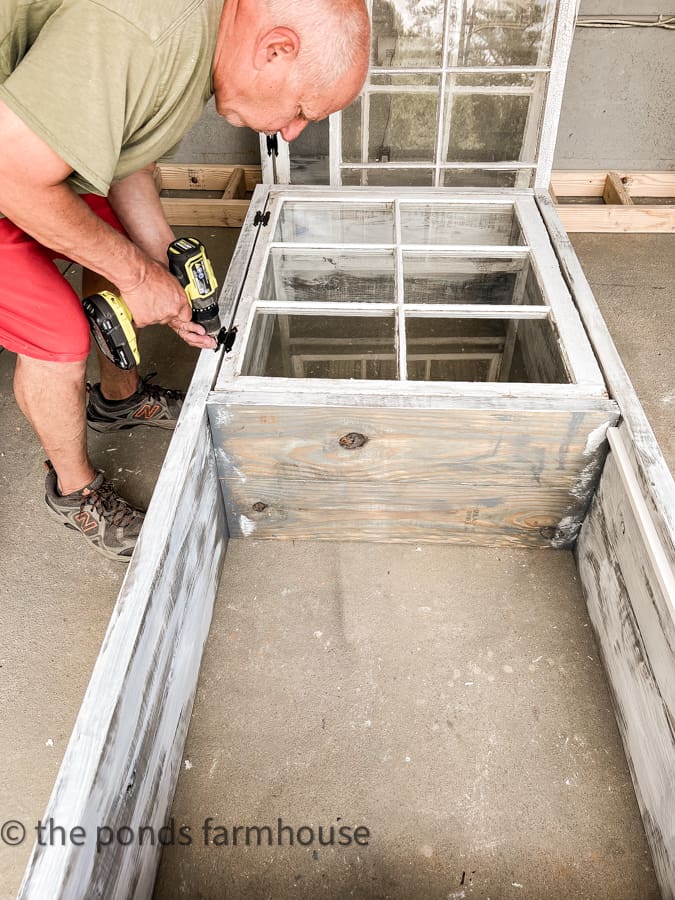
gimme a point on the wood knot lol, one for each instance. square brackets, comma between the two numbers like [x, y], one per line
[353, 440]
[259, 506]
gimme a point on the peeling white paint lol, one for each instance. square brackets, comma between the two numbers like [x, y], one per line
[246, 526]
[595, 439]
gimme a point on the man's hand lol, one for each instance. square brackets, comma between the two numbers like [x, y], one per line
[138, 207]
[159, 298]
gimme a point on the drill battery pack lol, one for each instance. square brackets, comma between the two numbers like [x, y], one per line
[111, 326]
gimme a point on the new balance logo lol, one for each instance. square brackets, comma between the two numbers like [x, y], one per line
[147, 411]
[86, 521]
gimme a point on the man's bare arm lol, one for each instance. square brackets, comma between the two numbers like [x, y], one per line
[34, 195]
[138, 207]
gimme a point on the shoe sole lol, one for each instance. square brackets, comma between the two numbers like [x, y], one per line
[97, 547]
[104, 427]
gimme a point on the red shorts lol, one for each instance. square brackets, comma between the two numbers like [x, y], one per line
[40, 314]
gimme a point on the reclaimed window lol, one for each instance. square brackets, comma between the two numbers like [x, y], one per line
[454, 97]
[408, 286]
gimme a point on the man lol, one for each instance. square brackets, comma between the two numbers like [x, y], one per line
[91, 94]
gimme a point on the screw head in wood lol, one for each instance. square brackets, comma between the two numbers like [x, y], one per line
[353, 440]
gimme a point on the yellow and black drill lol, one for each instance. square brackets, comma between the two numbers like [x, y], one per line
[110, 321]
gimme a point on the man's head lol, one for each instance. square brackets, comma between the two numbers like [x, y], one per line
[282, 63]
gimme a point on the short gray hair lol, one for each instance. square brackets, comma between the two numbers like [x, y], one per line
[334, 35]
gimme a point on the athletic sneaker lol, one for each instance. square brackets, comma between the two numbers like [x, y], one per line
[109, 523]
[150, 405]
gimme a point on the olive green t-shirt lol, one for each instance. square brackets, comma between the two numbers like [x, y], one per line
[110, 85]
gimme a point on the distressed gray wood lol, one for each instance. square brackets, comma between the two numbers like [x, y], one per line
[123, 758]
[465, 444]
[632, 608]
[420, 474]
[650, 467]
[498, 514]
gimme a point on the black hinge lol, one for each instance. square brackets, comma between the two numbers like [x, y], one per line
[226, 338]
[272, 145]
[261, 218]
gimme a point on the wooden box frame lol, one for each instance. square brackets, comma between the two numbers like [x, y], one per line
[123, 759]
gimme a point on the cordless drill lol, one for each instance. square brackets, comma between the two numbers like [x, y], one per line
[110, 321]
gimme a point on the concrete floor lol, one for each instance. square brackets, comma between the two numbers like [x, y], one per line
[449, 699]
[56, 598]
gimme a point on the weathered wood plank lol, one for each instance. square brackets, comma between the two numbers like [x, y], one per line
[123, 758]
[462, 445]
[210, 213]
[633, 615]
[650, 467]
[428, 512]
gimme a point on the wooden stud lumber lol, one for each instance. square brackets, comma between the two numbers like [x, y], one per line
[620, 214]
[616, 191]
[210, 213]
[592, 183]
[236, 185]
[618, 219]
[229, 211]
[177, 177]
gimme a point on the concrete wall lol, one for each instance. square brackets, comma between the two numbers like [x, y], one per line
[619, 103]
[618, 109]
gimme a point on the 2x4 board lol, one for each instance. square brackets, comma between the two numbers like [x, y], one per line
[416, 356]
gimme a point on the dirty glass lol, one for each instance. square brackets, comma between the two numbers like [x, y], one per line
[487, 223]
[434, 278]
[329, 276]
[402, 126]
[322, 222]
[501, 33]
[310, 155]
[486, 127]
[407, 33]
[478, 350]
[296, 346]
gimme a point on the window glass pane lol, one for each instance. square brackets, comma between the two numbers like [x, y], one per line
[460, 224]
[486, 127]
[402, 127]
[407, 34]
[433, 278]
[500, 33]
[389, 177]
[310, 162]
[322, 347]
[335, 223]
[511, 350]
[329, 276]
